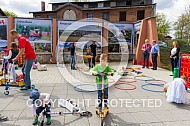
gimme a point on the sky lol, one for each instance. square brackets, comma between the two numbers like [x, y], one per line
[172, 8]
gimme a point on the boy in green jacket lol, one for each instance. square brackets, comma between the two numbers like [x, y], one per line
[104, 70]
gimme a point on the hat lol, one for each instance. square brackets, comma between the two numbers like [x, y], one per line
[34, 95]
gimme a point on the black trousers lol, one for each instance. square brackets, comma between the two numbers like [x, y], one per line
[154, 60]
[93, 61]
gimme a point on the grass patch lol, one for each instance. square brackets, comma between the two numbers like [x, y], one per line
[165, 58]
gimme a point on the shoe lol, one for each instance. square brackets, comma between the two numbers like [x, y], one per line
[147, 67]
[13, 83]
[74, 69]
[26, 88]
[143, 67]
[35, 122]
[171, 75]
[48, 120]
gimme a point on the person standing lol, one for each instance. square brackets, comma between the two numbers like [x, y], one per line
[25, 48]
[93, 48]
[155, 51]
[146, 48]
[73, 56]
[174, 56]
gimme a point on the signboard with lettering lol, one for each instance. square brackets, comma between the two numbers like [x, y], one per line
[3, 33]
[38, 32]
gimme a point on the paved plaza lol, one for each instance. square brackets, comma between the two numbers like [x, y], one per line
[122, 113]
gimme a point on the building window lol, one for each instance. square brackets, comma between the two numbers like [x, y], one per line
[113, 4]
[69, 15]
[129, 2]
[50, 16]
[140, 14]
[85, 6]
[100, 5]
[37, 16]
[121, 3]
[106, 16]
[93, 5]
[107, 4]
[122, 16]
[89, 16]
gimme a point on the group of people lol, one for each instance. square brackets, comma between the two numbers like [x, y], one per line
[148, 49]
[176, 90]
[154, 50]
[91, 51]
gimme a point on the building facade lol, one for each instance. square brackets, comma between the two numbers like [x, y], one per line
[111, 10]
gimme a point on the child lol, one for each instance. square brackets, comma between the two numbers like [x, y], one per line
[40, 102]
[89, 53]
[12, 54]
[176, 91]
[4, 63]
[102, 68]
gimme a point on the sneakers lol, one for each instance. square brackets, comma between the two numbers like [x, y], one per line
[48, 120]
[13, 83]
[35, 122]
[26, 88]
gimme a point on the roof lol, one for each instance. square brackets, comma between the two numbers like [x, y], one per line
[74, 5]
[84, 2]
[2, 12]
[68, 4]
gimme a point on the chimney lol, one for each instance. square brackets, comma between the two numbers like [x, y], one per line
[42, 6]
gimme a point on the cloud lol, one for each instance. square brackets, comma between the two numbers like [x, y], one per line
[20, 7]
[163, 4]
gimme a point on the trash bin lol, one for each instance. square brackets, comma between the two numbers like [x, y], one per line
[175, 73]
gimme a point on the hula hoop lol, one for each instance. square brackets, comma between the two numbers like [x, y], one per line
[120, 88]
[137, 78]
[157, 81]
[159, 85]
[76, 88]
[126, 80]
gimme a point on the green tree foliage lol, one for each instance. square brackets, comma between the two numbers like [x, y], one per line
[8, 13]
[182, 25]
[163, 26]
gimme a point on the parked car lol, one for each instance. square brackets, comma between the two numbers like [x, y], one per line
[163, 44]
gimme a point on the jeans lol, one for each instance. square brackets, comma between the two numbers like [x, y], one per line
[93, 60]
[99, 87]
[89, 63]
[5, 68]
[26, 72]
[146, 58]
[72, 62]
[40, 109]
[174, 62]
[12, 70]
[154, 60]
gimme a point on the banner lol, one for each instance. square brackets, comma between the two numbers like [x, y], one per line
[120, 37]
[3, 33]
[82, 33]
[38, 32]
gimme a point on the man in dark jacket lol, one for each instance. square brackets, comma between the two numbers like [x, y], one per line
[93, 48]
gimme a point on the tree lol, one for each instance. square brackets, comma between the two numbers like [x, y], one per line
[8, 13]
[182, 25]
[163, 26]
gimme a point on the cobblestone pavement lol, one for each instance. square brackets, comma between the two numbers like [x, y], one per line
[129, 107]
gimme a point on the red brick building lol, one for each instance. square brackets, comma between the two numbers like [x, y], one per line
[111, 10]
